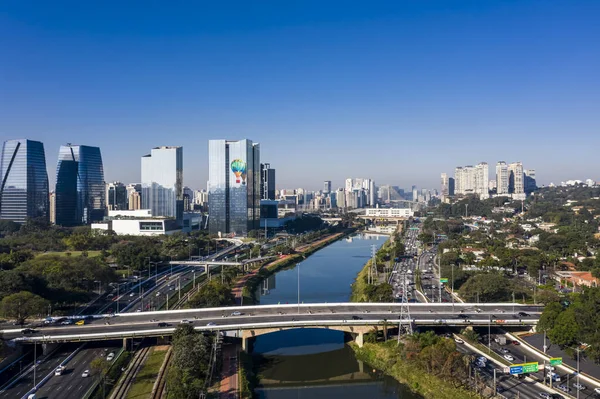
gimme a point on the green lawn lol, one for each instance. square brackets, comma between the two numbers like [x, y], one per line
[91, 254]
[144, 381]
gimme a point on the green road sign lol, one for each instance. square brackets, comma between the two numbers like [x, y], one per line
[524, 368]
[443, 280]
[555, 361]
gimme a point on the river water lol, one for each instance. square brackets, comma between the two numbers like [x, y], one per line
[316, 363]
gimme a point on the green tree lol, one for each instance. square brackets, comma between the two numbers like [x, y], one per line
[23, 305]
[212, 294]
[565, 331]
[101, 367]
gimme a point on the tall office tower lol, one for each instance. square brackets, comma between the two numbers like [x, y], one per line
[501, 178]
[24, 181]
[515, 178]
[233, 186]
[415, 193]
[451, 186]
[80, 188]
[116, 196]
[481, 180]
[340, 198]
[326, 186]
[162, 182]
[188, 199]
[458, 180]
[371, 200]
[492, 185]
[267, 182]
[445, 188]
[529, 182]
[53, 207]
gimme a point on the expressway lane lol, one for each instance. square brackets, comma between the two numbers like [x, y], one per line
[71, 384]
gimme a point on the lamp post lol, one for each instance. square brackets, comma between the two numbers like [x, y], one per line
[298, 267]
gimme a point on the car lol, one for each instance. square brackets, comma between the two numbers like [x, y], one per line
[482, 359]
[545, 395]
[504, 350]
[597, 391]
[516, 342]
[480, 364]
[356, 318]
[110, 357]
[579, 387]
[59, 370]
[459, 341]
[67, 322]
[158, 293]
[28, 331]
[564, 388]
[132, 294]
[162, 324]
[211, 324]
[522, 314]
[85, 374]
[186, 321]
[509, 357]
[236, 313]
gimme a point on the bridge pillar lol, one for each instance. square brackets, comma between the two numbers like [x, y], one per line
[244, 344]
[360, 339]
[47, 348]
[361, 366]
[126, 343]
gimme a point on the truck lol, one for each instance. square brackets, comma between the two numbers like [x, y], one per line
[500, 340]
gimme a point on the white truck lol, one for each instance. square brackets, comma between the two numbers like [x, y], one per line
[500, 340]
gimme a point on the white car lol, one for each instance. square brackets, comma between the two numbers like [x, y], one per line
[579, 387]
[597, 390]
[211, 324]
[110, 357]
[186, 321]
[85, 374]
[236, 313]
[459, 341]
[509, 357]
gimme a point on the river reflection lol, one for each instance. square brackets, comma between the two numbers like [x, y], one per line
[316, 363]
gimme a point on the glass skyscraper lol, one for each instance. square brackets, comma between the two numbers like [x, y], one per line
[233, 186]
[24, 185]
[162, 182]
[80, 189]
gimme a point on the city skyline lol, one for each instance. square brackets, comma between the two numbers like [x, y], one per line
[436, 85]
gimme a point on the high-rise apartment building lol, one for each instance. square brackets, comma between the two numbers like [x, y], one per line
[162, 182]
[359, 192]
[116, 196]
[267, 182]
[451, 186]
[24, 190]
[482, 179]
[501, 178]
[327, 187]
[515, 179]
[134, 196]
[80, 188]
[472, 180]
[233, 186]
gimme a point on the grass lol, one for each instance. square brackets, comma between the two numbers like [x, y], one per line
[383, 356]
[91, 254]
[144, 381]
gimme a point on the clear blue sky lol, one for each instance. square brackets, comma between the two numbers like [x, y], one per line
[398, 91]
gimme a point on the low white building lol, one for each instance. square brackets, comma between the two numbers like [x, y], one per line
[139, 222]
[389, 212]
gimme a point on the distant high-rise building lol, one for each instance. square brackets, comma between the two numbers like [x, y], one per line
[116, 196]
[188, 199]
[80, 188]
[267, 182]
[162, 182]
[326, 186]
[472, 180]
[444, 187]
[515, 179]
[359, 192]
[233, 186]
[501, 178]
[529, 183]
[482, 178]
[134, 201]
[415, 193]
[451, 186]
[24, 190]
[53, 207]
[340, 198]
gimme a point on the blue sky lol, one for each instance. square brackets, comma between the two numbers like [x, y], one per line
[397, 91]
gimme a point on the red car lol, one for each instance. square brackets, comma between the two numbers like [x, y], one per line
[516, 343]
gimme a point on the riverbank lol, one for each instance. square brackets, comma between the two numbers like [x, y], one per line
[384, 357]
[362, 291]
[245, 287]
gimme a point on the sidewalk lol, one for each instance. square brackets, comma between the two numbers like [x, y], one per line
[229, 373]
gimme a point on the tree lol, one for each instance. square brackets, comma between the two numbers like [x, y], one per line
[487, 287]
[22, 305]
[566, 329]
[212, 294]
[101, 367]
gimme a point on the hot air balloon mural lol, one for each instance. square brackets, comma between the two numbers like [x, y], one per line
[238, 167]
[244, 178]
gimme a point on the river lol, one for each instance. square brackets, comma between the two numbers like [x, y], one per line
[316, 363]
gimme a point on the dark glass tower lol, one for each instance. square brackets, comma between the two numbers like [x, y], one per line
[233, 186]
[24, 181]
[80, 190]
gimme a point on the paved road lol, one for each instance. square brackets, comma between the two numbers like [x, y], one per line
[71, 384]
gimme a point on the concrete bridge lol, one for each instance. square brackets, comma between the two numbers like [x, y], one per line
[251, 321]
[207, 264]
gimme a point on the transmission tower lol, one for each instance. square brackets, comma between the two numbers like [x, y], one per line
[404, 321]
